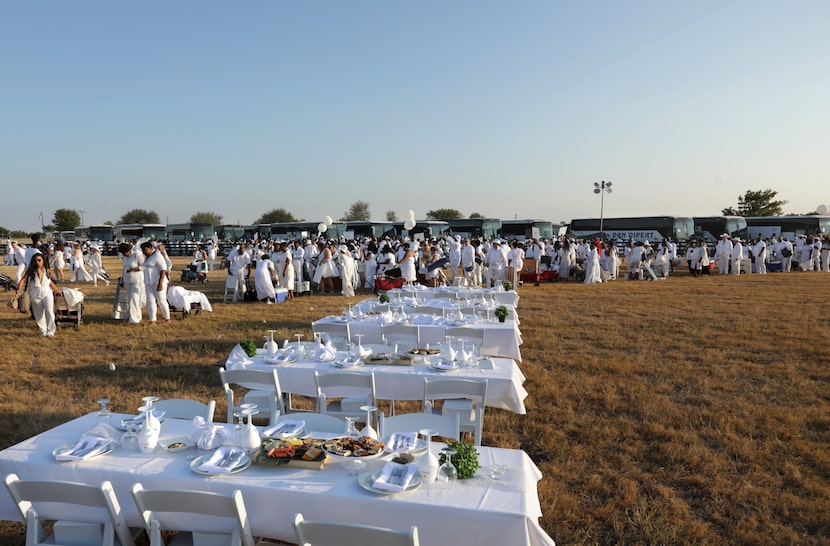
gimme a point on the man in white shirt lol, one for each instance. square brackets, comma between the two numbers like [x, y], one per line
[737, 256]
[155, 282]
[132, 280]
[723, 253]
[784, 249]
[759, 251]
[238, 263]
[19, 261]
[454, 244]
[496, 263]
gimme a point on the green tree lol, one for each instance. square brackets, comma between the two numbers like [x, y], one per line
[444, 214]
[66, 219]
[757, 203]
[140, 216]
[276, 215]
[359, 210]
[476, 215]
[211, 218]
[391, 216]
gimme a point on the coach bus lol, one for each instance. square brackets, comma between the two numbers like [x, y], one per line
[358, 229]
[788, 226]
[305, 230]
[423, 230]
[190, 231]
[523, 230]
[131, 232]
[641, 228]
[257, 232]
[480, 228]
[229, 232]
[710, 228]
[97, 232]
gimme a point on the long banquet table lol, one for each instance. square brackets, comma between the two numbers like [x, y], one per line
[474, 512]
[393, 381]
[505, 297]
[500, 338]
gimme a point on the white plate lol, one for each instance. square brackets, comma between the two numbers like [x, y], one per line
[351, 458]
[440, 368]
[367, 481]
[279, 359]
[64, 448]
[340, 364]
[420, 447]
[197, 462]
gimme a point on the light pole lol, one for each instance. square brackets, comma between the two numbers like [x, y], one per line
[82, 216]
[602, 188]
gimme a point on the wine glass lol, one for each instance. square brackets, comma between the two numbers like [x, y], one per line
[447, 474]
[368, 430]
[148, 401]
[299, 343]
[428, 463]
[129, 440]
[104, 412]
[237, 437]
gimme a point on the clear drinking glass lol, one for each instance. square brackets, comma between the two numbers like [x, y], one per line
[129, 440]
[447, 474]
[104, 412]
[351, 430]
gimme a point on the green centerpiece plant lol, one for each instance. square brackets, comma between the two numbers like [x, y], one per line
[248, 346]
[465, 459]
[501, 312]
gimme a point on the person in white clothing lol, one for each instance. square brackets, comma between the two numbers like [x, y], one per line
[592, 268]
[784, 249]
[737, 256]
[496, 264]
[238, 264]
[94, 259]
[42, 293]
[264, 278]
[515, 259]
[723, 253]
[468, 261]
[132, 280]
[212, 252]
[19, 260]
[287, 273]
[759, 252]
[155, 282]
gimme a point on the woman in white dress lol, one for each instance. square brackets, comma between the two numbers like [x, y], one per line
[565, 260]
[58, 263]
[371, 267]
[592, 267]
[264, 280]
[79, 272]
[326, 270]
[407, 265]
[516, 260]
[348, 271]
[286, 271]
[94, 259]
[42, 293]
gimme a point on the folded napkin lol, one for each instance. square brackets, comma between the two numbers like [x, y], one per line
[395, 477]
[284, 429]
[88, 446]
[386, 318]
[402, 442]
[348, 362]
[223, 460]
[364, 351]
[207, 435]
[326, 353]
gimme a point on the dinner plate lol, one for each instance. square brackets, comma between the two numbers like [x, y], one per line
[343, 365]
[67, 447]
[279, 359]
[442, 368]
[367, 480]
[420, 447]
[197, 462]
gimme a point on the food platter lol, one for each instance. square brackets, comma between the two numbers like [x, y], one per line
[347, 448]
[425, 351]
[292, 452]
[198, 461]
[367, 480]
[174, 445]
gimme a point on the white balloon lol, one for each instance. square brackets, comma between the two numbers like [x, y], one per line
[327, 220]
[409, 224]
[322, 227]
[410, 214]
[822, 209]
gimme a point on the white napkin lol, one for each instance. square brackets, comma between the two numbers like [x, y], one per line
[364, 351]
[223, 460]
[73, 296]
[326, 353]
[402, 442]
[284, 429]
[88, 446]
[207, 435]
[395, 477]
[386, 318]
[348, 362]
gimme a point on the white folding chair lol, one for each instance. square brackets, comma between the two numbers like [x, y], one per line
[464, 397]
[230, 288]
[82, 513]
[406, 335]
[325, 533]
[342, 393]
[265, 392]
[448, 426]
[183, 408]
[338, 333]
[434, 310]
[199, 517]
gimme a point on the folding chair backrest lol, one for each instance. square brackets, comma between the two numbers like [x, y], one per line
[40, 501]
[338, 333]
[401, 333]
[453, 392]
[320, 533]
[433, 310]
[316, 421]
[355, 389]
[200, 513]
[448, 426]
[265, 391]
[183, 408]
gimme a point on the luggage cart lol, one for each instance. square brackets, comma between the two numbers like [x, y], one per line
[68, 315]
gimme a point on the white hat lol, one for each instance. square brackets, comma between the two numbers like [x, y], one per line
[724, 235]
[496, 242]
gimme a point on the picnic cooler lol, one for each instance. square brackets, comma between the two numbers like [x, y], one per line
[385, 283]
[69, 307]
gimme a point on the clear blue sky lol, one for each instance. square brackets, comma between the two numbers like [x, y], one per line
[509, 109]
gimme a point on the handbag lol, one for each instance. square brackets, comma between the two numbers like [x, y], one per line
[24, 302]
[13, 303]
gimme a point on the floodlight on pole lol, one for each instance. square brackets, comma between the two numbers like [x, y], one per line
[602, 188]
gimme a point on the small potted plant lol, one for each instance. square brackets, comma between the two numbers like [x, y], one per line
[507, 285]
[501, 312]
[465, 459]
[249, 347]
[383, 298]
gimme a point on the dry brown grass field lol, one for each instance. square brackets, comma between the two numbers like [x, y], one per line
[673, 412]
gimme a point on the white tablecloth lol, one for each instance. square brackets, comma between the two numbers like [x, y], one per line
[474, 512]
[398, 382]
[500, 338]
